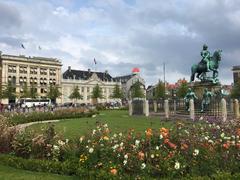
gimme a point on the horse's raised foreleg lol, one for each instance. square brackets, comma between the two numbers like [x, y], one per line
[193, 70]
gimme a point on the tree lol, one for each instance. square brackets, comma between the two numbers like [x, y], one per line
[53, 93]
[235, 93]
[9, 92]
[75, 94]
[26, 92]
[97, 93]
[182, 90]
[33, 92]
[159, 91]
[136, 90]
[117, 92]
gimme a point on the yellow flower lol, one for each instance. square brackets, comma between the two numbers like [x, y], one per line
[106, 138]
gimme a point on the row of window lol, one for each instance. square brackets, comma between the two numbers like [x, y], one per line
[33, 80]
[33, 70]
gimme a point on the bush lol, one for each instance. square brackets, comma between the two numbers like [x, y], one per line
[43, 116]
[7, 135]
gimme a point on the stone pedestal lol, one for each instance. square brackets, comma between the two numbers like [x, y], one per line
[236, 108]
[146, 108]
[166, 108]
[192, 109]
[198, 88]
[224, 109]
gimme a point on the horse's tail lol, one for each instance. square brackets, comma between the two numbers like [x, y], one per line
[193, 71]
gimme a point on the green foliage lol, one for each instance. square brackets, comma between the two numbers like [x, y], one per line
[137, 91]
[42, 116]
[75, 94]
[33, 92]
[159, 90]
[53, 93]
[97, 93]
[182, 90]
[117, 92]
[9, 92]
[235, 93]
[26, 92]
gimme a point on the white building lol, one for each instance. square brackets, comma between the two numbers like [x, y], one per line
[86, 81]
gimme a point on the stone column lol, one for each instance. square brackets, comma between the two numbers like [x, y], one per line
[224, 109]
[232, 105]
[192, 109]
[155, 106]
[146, 108]
[174, 106]
[236, 108]
[130, 108]
[166, 108]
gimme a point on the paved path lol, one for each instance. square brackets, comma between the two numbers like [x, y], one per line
[21, 127]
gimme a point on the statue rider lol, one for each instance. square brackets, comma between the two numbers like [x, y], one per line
[205, 56]
[207, 95]
[190, 95]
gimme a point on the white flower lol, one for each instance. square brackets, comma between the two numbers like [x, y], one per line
[152, 156]
[143, 166]
[81, 139]
[157, 147]
[160, 137]
[137, 143]
[67, 140]
[125, 156]
[218, 127]
[210, 141]
[90, 150]
[120, 134]
[101, 145]
[195, 152]
[55, 147]
[124, 162]
[206, 137]
[201, 118]
[93, 132]
[177, 165]
[89, 141]
[222, 135]
[115, 135]
[105, 125]
[121, 144]
[61, 143]
[118, 155]
[186, 132]
[115, 146]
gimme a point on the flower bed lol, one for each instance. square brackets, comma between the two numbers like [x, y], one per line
[186, 150]
[16, 118]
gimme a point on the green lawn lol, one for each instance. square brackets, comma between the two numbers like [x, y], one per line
[9, 173]
[117, 120]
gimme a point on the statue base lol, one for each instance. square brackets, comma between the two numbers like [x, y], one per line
[198, 87]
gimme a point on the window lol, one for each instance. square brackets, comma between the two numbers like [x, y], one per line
[88, 89]
[82, 89]
[23, 69]
[42, 90]
[12, 68]
[33, 70]
[43, 71]
[52, 72]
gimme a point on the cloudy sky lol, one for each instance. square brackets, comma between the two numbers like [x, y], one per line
[122, 34]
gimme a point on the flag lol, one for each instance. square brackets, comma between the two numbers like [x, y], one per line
[95, 62]
[22, 46]
[39, 47]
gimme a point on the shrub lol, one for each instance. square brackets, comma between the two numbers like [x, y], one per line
[17, 118]
[7, 135]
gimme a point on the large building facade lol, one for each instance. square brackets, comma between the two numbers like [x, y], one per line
[86, 81]
[21, 71]
[236, 74]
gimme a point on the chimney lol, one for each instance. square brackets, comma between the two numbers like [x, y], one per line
[69, 68]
